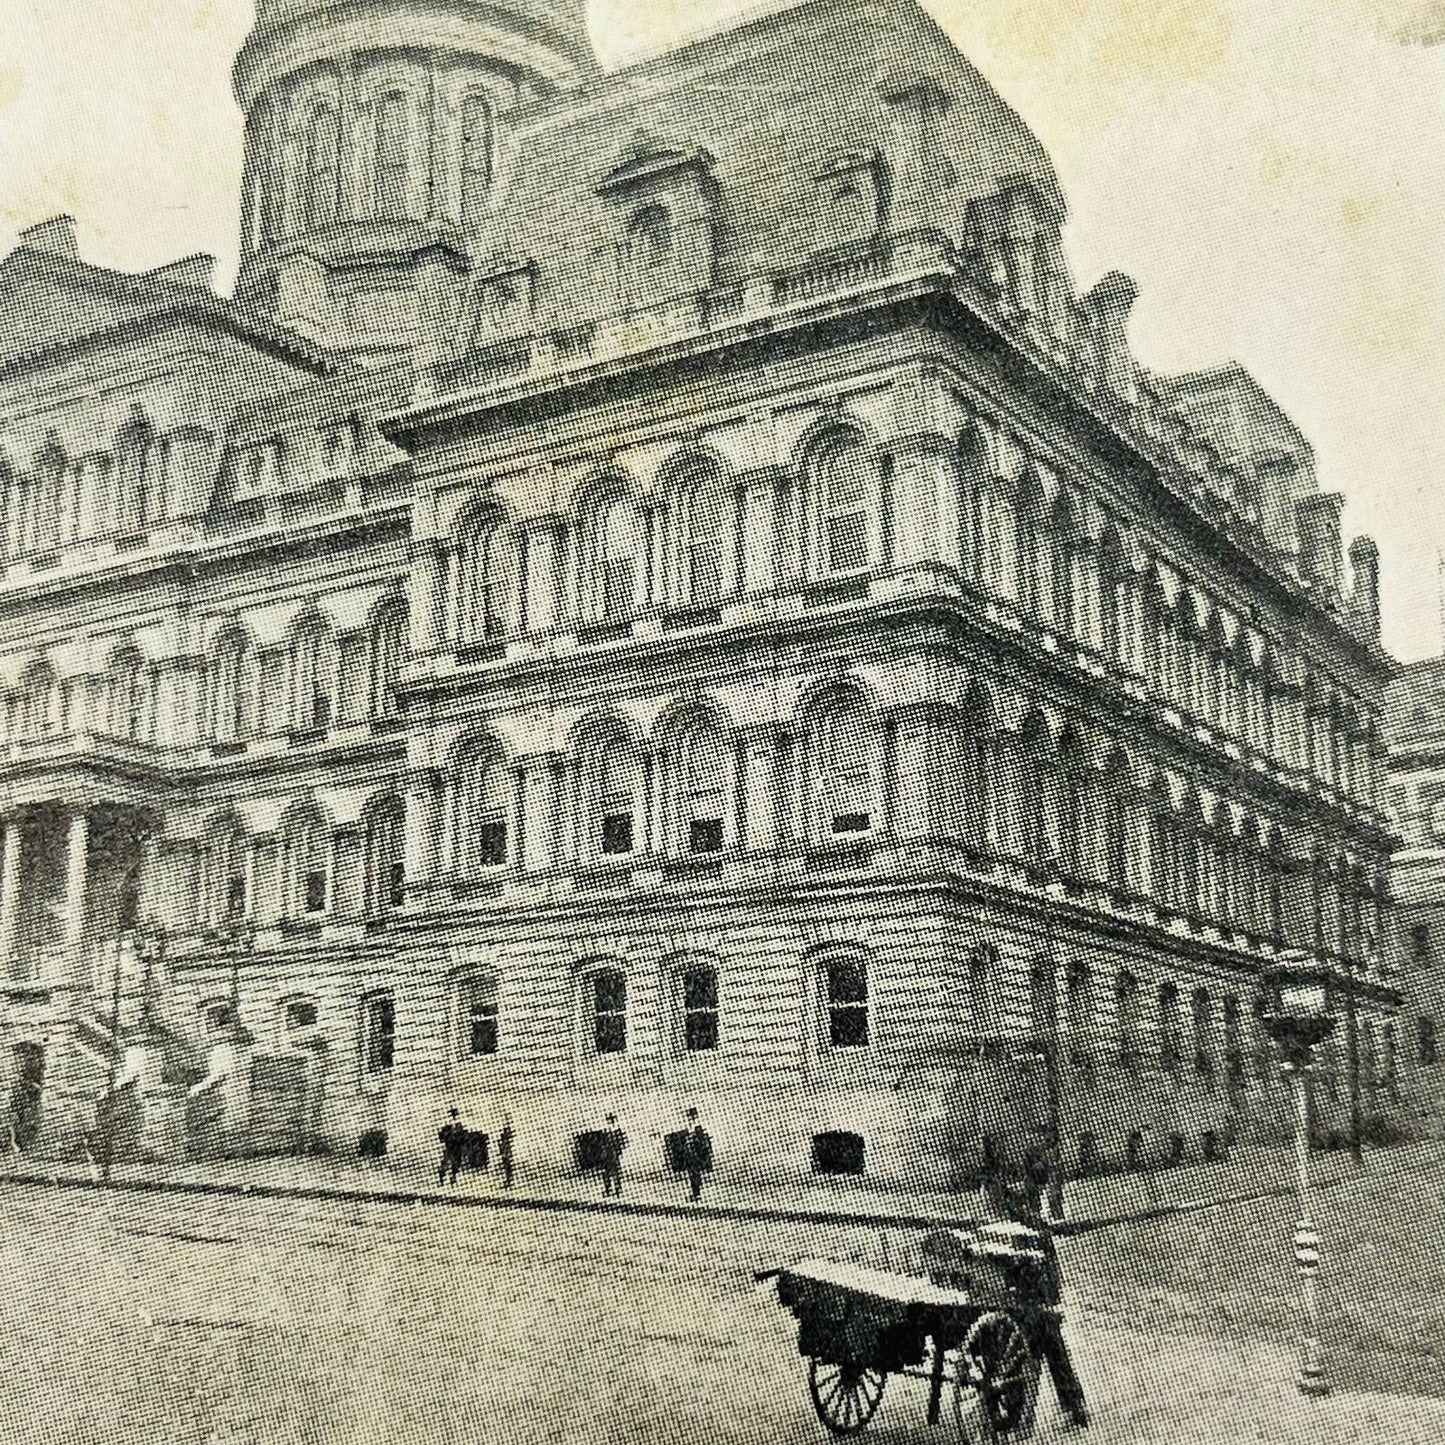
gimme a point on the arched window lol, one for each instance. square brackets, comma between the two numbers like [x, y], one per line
[619, 571]
[845, 996]
[40, 705]
[1030, 547]
[385, 855]
[968, 772]
[1171, 1048]
[1233, 1040]
[1126, 1004]
[307, 849]
[378, 1032]
[393, 156]
[606, 992]
[311, 676]
[321, 167]
[649, 239]
[616, 792]
[704, 525]
[1061, 565]
[228, 710]
[700, 781]
[127, 695]
[1038, 779]
[388, 654]
[478, 1016]
[488, 583]
[845, 489]
[843, 753]
[1072, 780]
[225, 875]
[476, 158]
[699, 1001]
[484, 798]
[1203, 1019]
[1044, 1003]
[1113, 597]
[1116, 823]
[1079, 1011]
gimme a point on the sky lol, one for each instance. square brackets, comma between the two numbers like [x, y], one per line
[1269, 171]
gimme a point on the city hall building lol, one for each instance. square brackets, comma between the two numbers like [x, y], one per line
[659, 591]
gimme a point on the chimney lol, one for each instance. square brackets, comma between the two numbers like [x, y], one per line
[1317, 522]
[1365, 585]
[56, 237]
[1108, 305]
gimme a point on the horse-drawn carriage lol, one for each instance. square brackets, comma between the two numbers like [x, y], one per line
[966, 1322]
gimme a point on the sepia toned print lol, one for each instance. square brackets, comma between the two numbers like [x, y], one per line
[653, 787]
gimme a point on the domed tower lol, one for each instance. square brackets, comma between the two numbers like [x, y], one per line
[372, 135]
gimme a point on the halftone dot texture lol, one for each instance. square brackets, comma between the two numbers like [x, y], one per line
[659, 596]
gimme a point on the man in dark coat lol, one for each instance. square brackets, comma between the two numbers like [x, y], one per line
[614, 1141]
[504, 1153]
[1018, 1195]
[453, 1139]
[696, 1153]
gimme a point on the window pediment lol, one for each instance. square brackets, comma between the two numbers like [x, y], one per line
[650, 162]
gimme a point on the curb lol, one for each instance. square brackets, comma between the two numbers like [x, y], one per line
[740, 1214]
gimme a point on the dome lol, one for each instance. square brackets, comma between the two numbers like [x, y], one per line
[370, 122]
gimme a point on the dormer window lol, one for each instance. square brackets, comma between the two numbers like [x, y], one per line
[258, 470]
[339, 444]
[650, 237]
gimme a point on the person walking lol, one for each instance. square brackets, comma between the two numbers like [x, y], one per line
[452, 1137]
[504, 1153]
[614, 1141]
[1018, 1195]
[696, 1153]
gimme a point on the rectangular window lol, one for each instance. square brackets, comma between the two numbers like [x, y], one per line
[235, 898]
[705, 835]
[847, 825]
[700, 1010]
[378, 1043]
[617, 833]
[838, 1152]
[300, 1015]
[491, 844]
[396, 884]
[1420, 940]
[316, 891]
[1429, 1044]
[478, 1010]
[609, 1013]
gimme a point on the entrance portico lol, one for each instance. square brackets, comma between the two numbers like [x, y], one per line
[70, 876]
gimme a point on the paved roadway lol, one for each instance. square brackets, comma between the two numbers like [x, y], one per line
[149, 1319]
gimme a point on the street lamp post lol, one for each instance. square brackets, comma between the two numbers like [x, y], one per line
[1300, 1019]
[125, 949]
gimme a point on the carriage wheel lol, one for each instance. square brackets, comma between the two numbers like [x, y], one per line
[846, 1397]
[996, 1382]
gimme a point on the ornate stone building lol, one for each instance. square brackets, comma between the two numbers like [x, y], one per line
[659, 590]
[1405, 1063]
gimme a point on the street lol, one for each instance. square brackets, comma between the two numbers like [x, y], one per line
[224, 1321]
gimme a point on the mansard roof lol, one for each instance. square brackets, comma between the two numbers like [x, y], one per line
[52, 303]
[760, 110]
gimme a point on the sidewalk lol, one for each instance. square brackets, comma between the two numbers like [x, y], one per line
[1090, 1203]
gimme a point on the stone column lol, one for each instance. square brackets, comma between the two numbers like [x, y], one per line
[77, 854]
[10, 897]
[517, 822]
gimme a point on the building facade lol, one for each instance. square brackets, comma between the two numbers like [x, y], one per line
[648, 599]
[1409, 1057]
